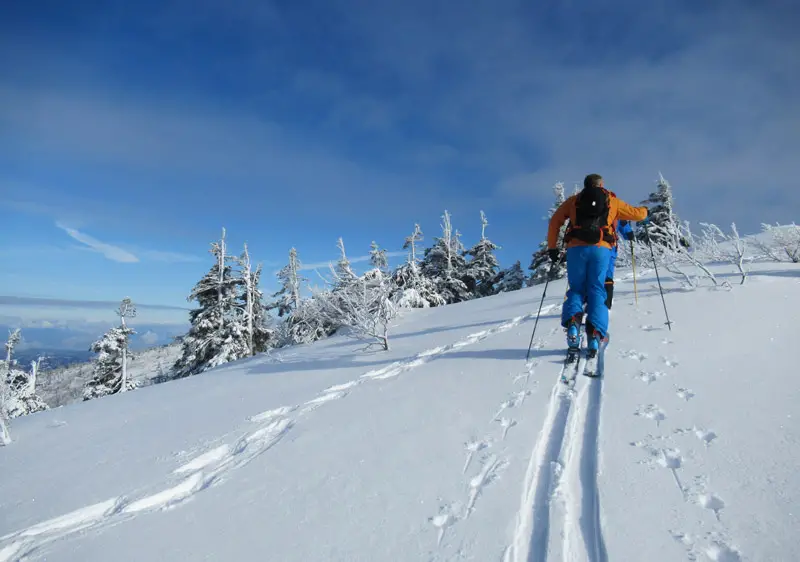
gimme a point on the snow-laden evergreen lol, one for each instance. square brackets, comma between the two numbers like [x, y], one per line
[483, 267]
[445, 266]
[343, 272]
[412, 289]
[251, 302]
[217, 334]
[511, 279]
[540, 264]
[108, 366]
[126, 310]
[378, 257]
[24, 398]
[664, 227]
[288, 297]
[14, 337]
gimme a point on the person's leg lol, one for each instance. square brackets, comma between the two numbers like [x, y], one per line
[609, 283]
[596, 266]
[576, 276]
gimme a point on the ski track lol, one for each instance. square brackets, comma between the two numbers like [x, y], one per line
[560, 495]
[212, 466]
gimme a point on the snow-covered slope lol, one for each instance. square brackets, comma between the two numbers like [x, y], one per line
[447, 447]
[65, 385]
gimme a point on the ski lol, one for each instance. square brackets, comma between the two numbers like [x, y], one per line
[594, 365]
[573, 360]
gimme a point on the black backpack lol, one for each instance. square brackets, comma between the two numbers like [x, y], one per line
[591, 217]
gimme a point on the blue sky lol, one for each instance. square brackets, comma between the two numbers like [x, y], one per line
[130, 133]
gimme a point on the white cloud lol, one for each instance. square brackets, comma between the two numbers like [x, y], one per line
[114, 253]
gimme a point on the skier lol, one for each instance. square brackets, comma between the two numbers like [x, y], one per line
[592, 214]
[623, 229]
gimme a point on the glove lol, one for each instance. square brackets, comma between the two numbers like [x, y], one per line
[629, 236]
[553, 255]
[647, 218]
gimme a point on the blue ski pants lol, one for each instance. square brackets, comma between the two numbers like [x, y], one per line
[612, 264]
[586, 272]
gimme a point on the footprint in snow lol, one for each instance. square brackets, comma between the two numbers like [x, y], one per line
[651, 411]
[711, 502]
[633, 354]
[475, 446]
[669, 362]
[721, 552]
[684, 393]
[446, 518]
[705, 436]
[650, 376]
[506, 424]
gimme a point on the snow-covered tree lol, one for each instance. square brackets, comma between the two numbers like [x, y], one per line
[251, 298]
[365, 309]
[289, 294]
[23, 397]
[14, 337]
[378, 258]
[126, 310]
[411, 243]
[779, 242]
[107, 367]
[541, 266]
[445, 266]
[217, 334]
[720, 246]
[343, 272]
[483, 267]
[511, 279]
[665, 226]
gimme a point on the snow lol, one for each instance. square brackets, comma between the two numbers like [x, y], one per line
[447, 447]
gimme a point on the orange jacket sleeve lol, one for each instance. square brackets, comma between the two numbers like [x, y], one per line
[558, 219]
[627, 212]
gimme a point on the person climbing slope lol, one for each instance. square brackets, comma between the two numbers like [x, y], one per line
[625, 231]
[592, 214]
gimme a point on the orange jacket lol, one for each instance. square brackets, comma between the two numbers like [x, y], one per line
[618, 210]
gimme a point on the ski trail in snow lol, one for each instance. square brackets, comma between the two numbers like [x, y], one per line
[530, 542]
[213, 465]
[583, 534]
[206, 471]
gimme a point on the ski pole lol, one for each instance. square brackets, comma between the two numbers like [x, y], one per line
[660, 290]
[546, 283]
[635, 290]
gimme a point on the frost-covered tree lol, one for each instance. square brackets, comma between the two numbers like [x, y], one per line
[411, 244]
[251, 300]
[343, 272]
[541, 266]
[378, 258]
[126, 310]
[107, 367]
[511, 279]
[411, 288]
[664, 227]
[289, 293]
[445, 266]
[779, 242]
[483, 267]
[14, 337]
[719, 246]
[23, 398]
[217, 334]
[364, 308]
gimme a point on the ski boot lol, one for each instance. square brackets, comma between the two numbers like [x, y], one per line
[573, 337]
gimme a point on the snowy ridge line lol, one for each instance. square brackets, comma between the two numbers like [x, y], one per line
[211, 466]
